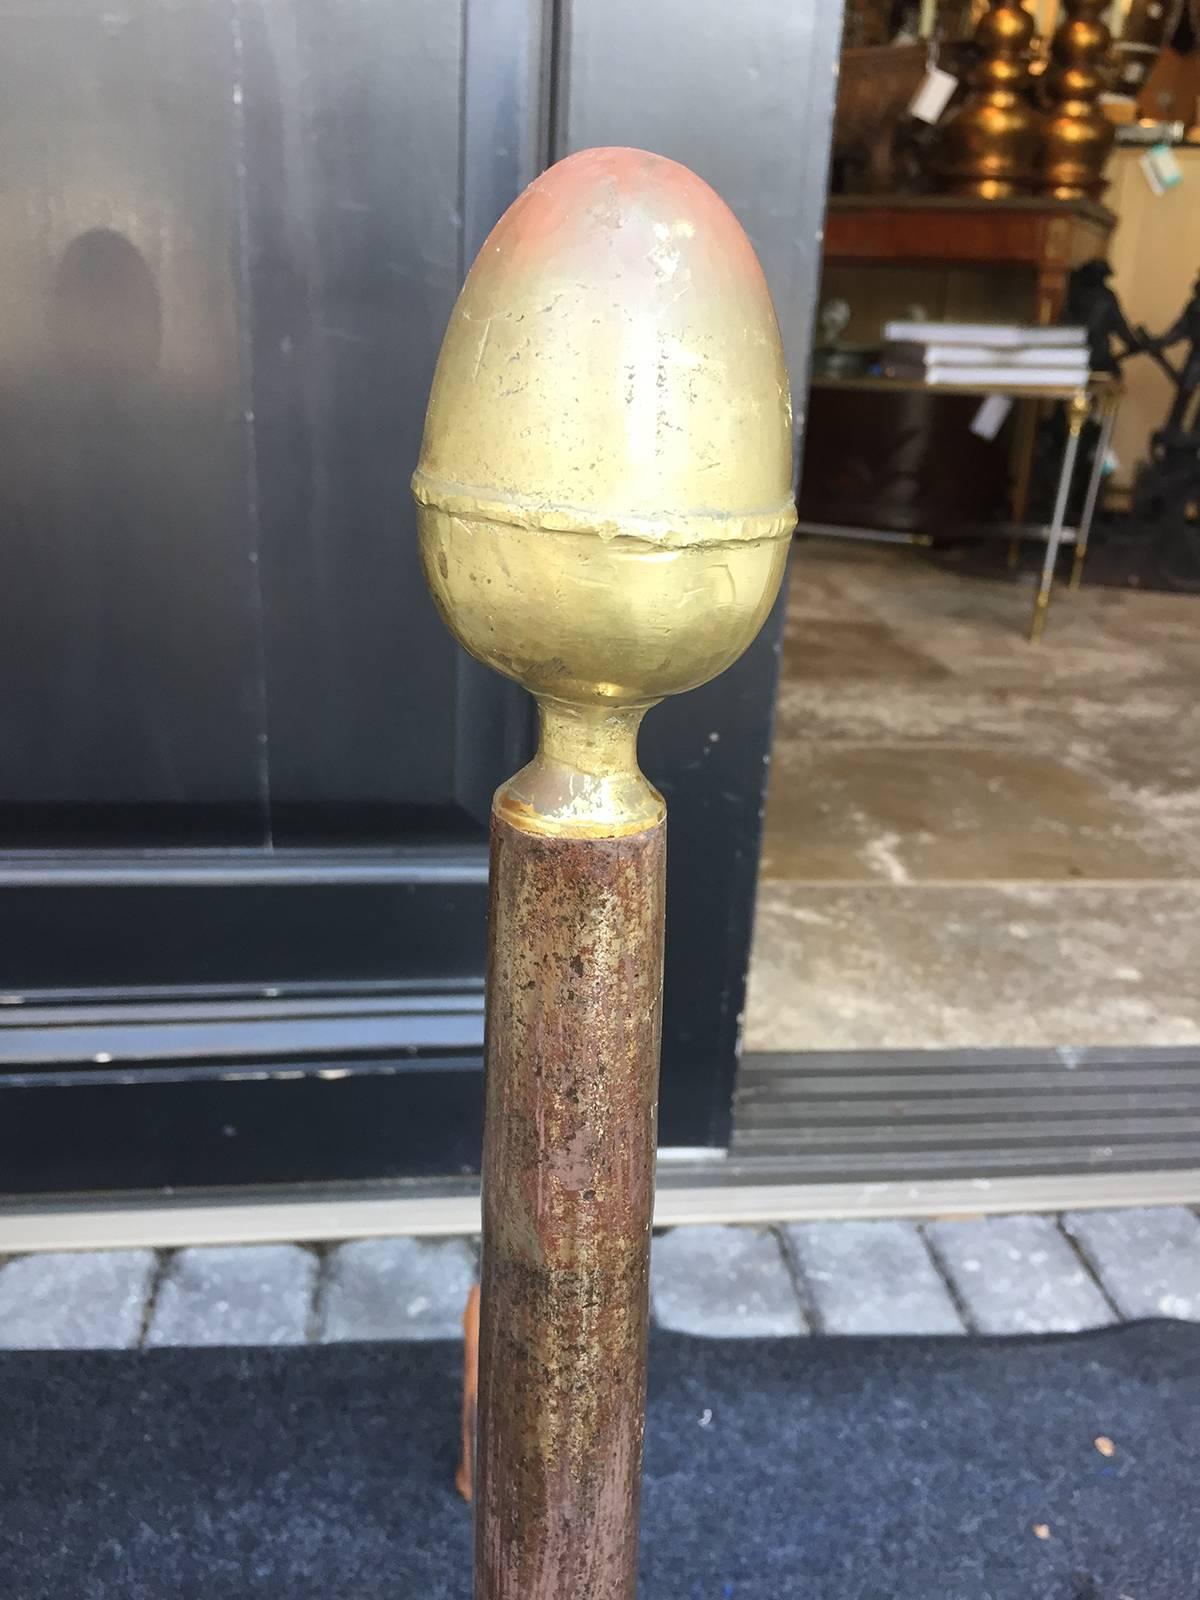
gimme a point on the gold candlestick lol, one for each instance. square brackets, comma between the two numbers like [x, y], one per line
[605, 511]
[988, 148]
[1078, 136]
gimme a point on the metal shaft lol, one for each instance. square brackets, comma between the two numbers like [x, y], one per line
[573, 1024]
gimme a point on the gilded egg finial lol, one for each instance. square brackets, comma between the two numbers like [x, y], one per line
[604, 487]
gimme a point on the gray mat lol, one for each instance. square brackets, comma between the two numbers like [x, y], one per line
[829, 1469]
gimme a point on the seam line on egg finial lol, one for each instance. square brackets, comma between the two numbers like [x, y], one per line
[680, 528]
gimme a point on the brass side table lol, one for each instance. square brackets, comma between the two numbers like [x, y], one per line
[1098, 397]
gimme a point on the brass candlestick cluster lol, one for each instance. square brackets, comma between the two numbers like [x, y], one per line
[1008, 139]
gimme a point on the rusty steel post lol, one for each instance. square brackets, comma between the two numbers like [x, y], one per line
[604, 497]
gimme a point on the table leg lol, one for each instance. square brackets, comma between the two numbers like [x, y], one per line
[1049, 295]
[1095, 479]
[1024, 441]
[1075, 420]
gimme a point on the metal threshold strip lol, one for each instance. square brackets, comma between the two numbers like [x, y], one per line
[918, 1133]
[431, 1210]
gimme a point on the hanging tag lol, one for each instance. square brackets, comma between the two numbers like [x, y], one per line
[1161, 168]
[990, 417]
[932, 98]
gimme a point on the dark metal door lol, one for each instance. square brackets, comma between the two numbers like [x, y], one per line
[245, 774]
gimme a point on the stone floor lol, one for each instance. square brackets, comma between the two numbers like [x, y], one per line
[995, 1275]
[970, 841]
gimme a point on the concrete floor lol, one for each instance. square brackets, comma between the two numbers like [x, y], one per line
[971, 841]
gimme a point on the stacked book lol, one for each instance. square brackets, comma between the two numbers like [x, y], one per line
[985, 352]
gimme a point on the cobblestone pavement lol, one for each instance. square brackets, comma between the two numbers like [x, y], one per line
[1015, 1274]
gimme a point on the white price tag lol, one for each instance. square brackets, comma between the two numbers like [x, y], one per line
[990, 417]
[932, 98]
[1161, 168]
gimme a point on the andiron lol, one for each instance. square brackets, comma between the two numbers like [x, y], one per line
[605, 505]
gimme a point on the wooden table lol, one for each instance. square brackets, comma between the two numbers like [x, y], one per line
[1048, 238]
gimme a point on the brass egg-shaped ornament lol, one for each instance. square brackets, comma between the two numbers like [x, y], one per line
[604, 486]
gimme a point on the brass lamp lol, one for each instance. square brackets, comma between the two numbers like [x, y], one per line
[988, 148]
[604, 500]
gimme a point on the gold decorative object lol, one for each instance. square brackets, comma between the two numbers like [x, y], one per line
[1077, 136]
[604, 502]
[989, 146]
